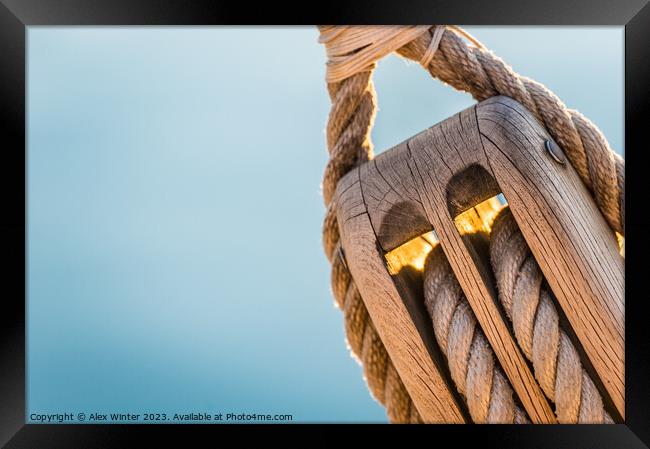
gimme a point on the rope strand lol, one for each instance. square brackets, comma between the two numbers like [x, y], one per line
[472, 364]
[535, 320]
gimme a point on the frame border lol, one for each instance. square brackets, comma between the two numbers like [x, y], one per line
[17, 15]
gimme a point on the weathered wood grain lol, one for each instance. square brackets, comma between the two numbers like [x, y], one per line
[451, 153]
[390, 312]
[422, 184]
[571, 241]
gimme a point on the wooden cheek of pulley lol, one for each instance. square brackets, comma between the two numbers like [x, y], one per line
[494, 147]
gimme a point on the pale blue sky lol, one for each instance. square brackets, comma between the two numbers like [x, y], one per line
[174, 209]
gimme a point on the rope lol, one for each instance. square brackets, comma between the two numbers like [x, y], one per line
[535, 320]
[353, 53]
[470, 357]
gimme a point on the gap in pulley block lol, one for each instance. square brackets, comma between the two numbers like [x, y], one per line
[475, 227]
[477, 222]
[406, 264]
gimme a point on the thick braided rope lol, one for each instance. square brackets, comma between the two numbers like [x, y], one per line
[364, 342]
[482, 74]
[535, 320]
[470, 358]
[348, 141]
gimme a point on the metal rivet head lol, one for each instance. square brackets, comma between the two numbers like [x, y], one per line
[555, 151]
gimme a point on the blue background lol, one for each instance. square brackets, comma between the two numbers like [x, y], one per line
[174, 209]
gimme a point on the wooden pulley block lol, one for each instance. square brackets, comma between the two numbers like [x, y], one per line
[421, 185]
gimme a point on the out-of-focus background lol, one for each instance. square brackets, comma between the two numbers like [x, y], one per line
[174, 209]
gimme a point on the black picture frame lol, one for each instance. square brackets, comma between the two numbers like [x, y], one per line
[16, 15]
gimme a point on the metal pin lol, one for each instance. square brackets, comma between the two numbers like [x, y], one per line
[555, 151]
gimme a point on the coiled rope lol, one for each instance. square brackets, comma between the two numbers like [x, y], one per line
[454, 57]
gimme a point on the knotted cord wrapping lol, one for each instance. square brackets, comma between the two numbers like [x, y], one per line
[353, 53]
